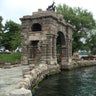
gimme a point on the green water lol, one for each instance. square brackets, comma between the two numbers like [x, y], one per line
[79, 82]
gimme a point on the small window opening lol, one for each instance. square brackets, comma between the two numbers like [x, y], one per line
[36, 27]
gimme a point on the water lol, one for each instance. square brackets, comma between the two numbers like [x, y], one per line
[79, 82]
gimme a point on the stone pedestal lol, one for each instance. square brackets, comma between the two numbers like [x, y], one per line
[20, 92]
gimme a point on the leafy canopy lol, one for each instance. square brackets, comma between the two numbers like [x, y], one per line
[1, 26]
[11, 36]
[82, 21]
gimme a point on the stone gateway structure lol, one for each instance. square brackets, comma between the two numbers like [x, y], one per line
[46, 39]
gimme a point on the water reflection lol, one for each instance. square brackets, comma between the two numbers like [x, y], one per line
[79, 82]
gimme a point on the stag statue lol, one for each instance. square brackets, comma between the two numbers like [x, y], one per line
[51, 7]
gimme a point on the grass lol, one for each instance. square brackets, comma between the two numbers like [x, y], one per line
[15, 57]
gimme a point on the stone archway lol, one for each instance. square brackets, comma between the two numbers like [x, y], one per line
[60, 46]
[39, 43]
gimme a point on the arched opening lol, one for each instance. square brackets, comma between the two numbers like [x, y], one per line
[36, 27]
[60, 44]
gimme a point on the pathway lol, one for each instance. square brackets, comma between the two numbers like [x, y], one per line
[9, 78]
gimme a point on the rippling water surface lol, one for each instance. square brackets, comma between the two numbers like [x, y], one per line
[78, 82]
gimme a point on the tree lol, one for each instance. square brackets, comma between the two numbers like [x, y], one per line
[91, 42]
[1, 26]
[11, 36]
[82, 21]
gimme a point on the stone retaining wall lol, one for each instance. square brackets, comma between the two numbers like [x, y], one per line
[31, 76]
[78, 64]
[83, 63]
[34, 74]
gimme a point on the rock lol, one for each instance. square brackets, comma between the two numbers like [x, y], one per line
[33, 74]
[27, 80]
[25, 71]
[28, 76]
[32, 66]
[23, 85]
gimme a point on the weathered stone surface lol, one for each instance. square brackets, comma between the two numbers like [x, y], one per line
[37, 74]
[9, 79]
[25, 71]
[40, 33]
[78, 64]
[12, 78]
[28, 76]
[20, 92]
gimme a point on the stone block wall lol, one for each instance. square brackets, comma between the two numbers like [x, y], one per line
[43, 27]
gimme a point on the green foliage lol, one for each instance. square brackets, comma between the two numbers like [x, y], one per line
[1, 26]
[10, 57]
[91, 43]
[82, 21]
[11, 36]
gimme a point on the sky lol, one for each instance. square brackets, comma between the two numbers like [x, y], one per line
[15, 9]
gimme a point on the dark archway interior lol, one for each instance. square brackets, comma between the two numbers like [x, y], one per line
[33, 51]
[36, 27]
[59, 44]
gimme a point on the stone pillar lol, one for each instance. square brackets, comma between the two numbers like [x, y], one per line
[20, 92]
[24, 59]
[54, 50]
[43, 53]
[69, 43]
[69, 50]
[30, 58]
[49, 48]
[54, 45]
[64, 54]
[24, 41]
